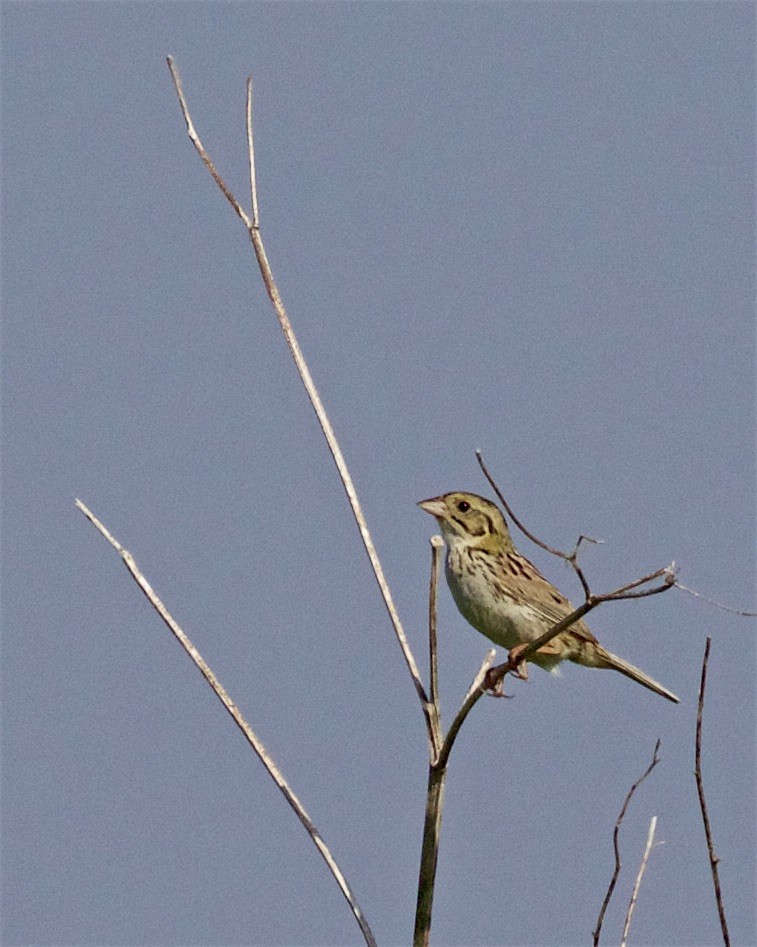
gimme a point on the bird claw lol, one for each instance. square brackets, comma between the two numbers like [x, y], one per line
[520, 669]
[494, 682]
[497, 689]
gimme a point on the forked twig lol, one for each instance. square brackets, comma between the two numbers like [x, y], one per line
[497, 674]
[591, 599]
[249, 733]
[616, 844]
[307, 380]
[639, 875]
[569, 557]
[702, 801]
[572, 557]
[437, 767]
[624, 592]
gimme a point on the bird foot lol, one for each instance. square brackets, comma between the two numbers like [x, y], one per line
[495, 684]
[519, 666]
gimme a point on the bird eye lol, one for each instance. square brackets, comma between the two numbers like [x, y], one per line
[463, 506]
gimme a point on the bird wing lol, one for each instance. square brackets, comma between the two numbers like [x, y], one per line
[528, 583]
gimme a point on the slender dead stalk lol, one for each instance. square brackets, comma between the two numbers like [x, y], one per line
[432, 826]
[252, 226]
[437, 547]
[714, 860]
[616, 844]
[432, 823]
[249, 733]
[639, 875]
[250, 155]
[437, 769]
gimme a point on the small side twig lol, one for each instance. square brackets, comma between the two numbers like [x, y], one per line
[273, 771]
[639, 875]
[476, 690]
[616, 844]
[714, 860]
[711, 601]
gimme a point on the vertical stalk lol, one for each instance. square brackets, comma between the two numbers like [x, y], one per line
[437, 777]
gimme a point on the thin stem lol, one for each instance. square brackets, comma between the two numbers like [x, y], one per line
[714, 860]
[712, 601]
[199, 147]
[432, 825]
[569, 557]
[251, 156]
[315, 400]
[640, 874]
[475, 692]
[668, 572]
[497, 674]
[249, 733]
[437, 546]
[616, 844]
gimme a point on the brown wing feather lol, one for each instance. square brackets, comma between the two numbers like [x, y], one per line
[525, 581]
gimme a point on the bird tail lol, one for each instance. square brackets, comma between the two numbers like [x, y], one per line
[618, 664]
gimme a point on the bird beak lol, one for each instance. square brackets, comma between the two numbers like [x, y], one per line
[435, 506]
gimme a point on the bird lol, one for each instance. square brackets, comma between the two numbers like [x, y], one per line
[505, 597]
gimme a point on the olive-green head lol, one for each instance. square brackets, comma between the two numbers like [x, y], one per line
[470, 519]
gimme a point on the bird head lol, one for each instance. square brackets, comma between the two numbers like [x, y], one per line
[466, 518]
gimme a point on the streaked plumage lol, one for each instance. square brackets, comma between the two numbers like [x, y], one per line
[505, 597]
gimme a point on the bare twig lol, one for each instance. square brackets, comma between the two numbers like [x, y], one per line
[437, 545]
[497, 674]
[625, 591]
[475, 692]
[432, 823]
[569, 557]
[534, 539]
[714, 860]
[312, 391]
[666, 573]
[231, 707]
[628, 591]
[251, 156]
[712, 601]
[639, 875]
[195, 139]
[616, 844]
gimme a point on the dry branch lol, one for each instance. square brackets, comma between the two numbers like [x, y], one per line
[616, 844]
[703, 802]
[248, 732]
[252, 226]
[639, 875]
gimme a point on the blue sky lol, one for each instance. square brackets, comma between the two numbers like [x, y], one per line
[526, 228]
